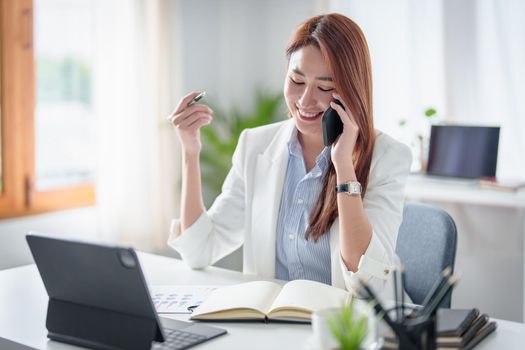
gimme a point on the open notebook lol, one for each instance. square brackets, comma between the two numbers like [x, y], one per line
[263, 300]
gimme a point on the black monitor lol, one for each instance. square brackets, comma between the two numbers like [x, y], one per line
[463, 151]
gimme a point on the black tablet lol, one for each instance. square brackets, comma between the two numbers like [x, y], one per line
[98, 296]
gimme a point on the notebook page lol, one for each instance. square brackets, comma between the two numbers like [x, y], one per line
[258, 295]
[309, 295]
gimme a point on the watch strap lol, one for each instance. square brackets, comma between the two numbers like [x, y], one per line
[342, 188]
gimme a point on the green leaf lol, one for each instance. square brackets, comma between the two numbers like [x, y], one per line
[430, 112]
[348, 328]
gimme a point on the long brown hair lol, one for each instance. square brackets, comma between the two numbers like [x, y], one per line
[345, 50]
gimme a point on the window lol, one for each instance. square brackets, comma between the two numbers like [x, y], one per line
[47, 119]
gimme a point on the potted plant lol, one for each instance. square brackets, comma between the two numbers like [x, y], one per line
[220, 138]
[349, 326]
[419, 141]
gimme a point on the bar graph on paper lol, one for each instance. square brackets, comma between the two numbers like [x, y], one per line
[177, 299]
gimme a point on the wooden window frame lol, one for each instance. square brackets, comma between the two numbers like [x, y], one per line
[17, 69]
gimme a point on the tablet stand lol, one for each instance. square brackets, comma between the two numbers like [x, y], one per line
[98, 328]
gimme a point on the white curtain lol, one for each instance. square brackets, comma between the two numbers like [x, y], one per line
[137, 176]
[465, 58]
[500, 29]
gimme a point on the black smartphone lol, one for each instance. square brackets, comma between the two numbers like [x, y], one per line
[332, 125]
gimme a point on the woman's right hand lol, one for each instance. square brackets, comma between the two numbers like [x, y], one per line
[188, 120]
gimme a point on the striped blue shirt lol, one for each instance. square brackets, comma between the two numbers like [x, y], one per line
[297, 257]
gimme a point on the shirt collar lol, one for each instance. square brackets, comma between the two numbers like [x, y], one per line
[321, 162]
[294, 147]
[295, 150]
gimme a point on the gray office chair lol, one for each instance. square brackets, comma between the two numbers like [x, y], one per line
[426, 245]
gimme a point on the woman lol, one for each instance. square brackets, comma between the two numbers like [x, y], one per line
[283, 198]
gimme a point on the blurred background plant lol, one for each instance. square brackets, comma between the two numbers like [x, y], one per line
[219, 139]
[417, 135]
[349, 326]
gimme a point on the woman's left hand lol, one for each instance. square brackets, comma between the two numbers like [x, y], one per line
[343, 147]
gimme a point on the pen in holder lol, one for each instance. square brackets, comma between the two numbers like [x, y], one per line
[413, 328]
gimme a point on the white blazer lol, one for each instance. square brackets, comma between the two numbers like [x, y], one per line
[246, 211]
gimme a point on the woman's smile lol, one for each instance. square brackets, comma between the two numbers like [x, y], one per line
[308, 116]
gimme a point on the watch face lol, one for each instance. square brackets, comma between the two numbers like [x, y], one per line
[352, 188]
[355, 187]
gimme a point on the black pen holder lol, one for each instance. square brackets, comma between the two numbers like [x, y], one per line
[411, 334]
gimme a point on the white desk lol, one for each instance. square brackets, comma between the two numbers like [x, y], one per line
[429, 188]
[23, 303]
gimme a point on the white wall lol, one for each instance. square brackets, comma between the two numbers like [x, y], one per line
[80, 223]
[230, 47]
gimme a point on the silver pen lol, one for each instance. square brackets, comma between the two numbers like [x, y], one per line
[197, 98]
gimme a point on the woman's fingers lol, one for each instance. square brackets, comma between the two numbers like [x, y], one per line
[180, 118]
[187, 119]
[183, 103]
[343, 111]
[200, 122]
[338, 98]
[192, 118]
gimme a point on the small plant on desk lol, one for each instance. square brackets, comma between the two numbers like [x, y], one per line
[348, 327]
[418, 141]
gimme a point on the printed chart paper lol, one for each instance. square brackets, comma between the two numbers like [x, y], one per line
[177, 299]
